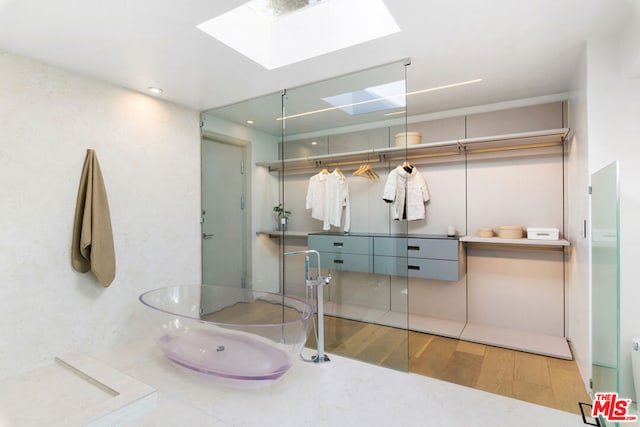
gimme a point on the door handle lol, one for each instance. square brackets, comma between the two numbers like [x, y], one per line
[207, 236]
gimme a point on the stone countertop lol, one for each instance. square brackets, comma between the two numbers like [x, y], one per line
[342, 392]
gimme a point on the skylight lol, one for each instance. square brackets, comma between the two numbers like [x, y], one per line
[377, 98]
[275, 33]
[273, 9]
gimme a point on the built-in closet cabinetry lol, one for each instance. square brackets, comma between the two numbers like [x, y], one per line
[483, 170]
[425, 257]
[340, 252]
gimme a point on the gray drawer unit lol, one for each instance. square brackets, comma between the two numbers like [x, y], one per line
[390, 265]
[390, 246]
[422, 257]
[361, 263]
[425, 258]
[438, 269]
[343, 253]
[422, 268]
[432, 248]
[343, 244]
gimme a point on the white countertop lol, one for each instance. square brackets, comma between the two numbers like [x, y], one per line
[342, 392]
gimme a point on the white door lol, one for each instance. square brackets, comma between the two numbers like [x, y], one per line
[224, 214]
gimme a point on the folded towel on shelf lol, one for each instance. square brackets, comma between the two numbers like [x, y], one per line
[92, 244]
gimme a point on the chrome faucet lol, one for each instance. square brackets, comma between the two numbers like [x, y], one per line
[319, 283]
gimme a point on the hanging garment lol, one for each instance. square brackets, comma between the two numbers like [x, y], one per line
[92, 244]
[337, 197]
[407, 192]
[327, 195]
[316, 195]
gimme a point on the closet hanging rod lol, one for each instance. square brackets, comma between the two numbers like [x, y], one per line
[292, 168]
[470, 150]
[423, 156]
[320, 164]
[353, 162]
[496, 143]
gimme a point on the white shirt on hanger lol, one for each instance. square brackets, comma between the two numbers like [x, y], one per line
[327, 195]
[316, 195]
[337, 197]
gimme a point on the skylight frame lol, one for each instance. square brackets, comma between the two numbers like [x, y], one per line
[303, 34]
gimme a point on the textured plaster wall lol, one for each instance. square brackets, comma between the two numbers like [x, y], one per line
[149, 151]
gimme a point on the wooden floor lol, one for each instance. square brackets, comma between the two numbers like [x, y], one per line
[546, 381]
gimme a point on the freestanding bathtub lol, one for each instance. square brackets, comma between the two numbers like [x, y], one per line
[233, 336]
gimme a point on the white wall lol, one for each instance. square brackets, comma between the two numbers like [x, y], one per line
[149, 151]
[577, 211]
[613, 109]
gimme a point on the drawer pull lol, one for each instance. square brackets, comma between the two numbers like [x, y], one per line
[340, 244]
[338, 261]
[413, 267]
[413, 248]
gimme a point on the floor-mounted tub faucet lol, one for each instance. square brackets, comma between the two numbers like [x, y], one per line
[319, 282]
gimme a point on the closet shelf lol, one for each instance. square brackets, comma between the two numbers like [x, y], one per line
[514, 141]
[276, 234]
[523, 243]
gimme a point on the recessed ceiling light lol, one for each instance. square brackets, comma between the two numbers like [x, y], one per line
[314, 142]
[250, 122]
[303, 29]
[155, 90]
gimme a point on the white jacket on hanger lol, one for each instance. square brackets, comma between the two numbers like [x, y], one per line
[406, 188]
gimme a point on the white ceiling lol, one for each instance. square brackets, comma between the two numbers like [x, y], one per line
[520, 49]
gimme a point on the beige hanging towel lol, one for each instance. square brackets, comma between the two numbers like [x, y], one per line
[92, 246]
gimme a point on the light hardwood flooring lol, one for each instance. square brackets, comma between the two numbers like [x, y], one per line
[546, 381]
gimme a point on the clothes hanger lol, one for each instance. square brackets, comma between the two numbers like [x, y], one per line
[324, 171]
[372, 173]
[338, 171]
[407, 166]
[366, 171]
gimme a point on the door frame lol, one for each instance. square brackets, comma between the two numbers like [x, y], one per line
[246, 235]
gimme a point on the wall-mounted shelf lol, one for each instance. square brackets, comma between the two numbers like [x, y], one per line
[524, 243]
[514, 141]
[276, 234]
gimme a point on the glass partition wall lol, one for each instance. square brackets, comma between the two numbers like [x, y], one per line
[411, 292]
[332, 179]
[605, 272]
[346, 127]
